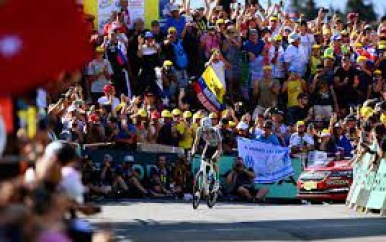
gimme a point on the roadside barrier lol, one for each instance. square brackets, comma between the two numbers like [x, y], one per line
[368, 191]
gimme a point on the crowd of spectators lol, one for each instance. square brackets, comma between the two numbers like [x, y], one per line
[289, 81]
[308, 84]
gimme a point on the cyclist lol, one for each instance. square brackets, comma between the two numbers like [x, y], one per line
[213, 146]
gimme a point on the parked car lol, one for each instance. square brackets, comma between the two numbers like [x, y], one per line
[326, 183]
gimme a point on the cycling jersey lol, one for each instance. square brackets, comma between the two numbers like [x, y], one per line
[212, 139]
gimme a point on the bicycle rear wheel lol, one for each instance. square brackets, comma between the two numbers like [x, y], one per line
[197, 189]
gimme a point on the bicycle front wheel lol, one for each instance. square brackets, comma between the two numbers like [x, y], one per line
[197, 189]
[212, 197]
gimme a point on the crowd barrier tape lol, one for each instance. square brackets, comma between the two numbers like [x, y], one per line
[142, 161]
[285, 189]
[368, 191]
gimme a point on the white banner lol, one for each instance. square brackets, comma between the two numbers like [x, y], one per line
[271, 163]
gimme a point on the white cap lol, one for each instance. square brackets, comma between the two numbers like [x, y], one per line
[242, 125]
[293, 37]
[128, 158]
[174, 7]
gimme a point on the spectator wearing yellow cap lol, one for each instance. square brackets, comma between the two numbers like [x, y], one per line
[142, 127]
[219, 64]
[196, 121]
[214, 118]
[276, 58]
[185, 131]
[274, 25]
[175, 51]
[168, 133]
[381, 61]
[99, 72]
[266, 92]
[326, 143]
[315, 59]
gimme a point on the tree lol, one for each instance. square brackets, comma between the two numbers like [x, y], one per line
[365, 9]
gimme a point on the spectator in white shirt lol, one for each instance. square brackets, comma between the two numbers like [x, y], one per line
[294, 57]
[276, 58]
[219, 65]
[301, 141]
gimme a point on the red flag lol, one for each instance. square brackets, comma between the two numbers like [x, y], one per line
[39, 40]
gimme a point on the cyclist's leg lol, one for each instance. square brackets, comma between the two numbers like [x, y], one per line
[216, 175]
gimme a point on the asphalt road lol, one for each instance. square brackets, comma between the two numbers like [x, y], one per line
[177, 221]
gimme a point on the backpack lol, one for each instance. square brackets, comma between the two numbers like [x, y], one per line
[181, 60]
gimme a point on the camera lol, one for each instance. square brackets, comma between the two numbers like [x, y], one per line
[324, 10]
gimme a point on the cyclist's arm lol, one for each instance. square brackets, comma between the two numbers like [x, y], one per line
[219, 147]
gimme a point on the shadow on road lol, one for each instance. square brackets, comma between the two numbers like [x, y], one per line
[279, 230]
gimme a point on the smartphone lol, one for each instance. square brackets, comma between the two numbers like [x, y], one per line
[325, 10]
[219, 8]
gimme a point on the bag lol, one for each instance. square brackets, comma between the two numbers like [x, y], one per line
[180, 55]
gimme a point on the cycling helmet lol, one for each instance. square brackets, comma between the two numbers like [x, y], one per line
[206, 123]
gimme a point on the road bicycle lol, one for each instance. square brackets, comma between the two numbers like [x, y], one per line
[204, 183]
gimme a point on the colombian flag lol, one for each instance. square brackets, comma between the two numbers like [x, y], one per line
[210, 91]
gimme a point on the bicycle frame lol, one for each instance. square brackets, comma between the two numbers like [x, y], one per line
[203, 168]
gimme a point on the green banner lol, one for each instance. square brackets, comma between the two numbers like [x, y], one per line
[142, 161]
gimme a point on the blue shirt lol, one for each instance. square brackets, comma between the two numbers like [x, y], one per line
[256, 49]
[125, 135]
[345, 143]
[272, 139]
[179, 24]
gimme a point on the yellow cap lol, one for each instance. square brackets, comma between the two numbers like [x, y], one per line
[278, 38]
[359, 45]
[382, 46]
[300, 123]
[383, 118]
[377, 72]
[326, 31]
[166, 114]
[361, 58]
[142, 113]
[213, 115]
[329, 57]
[366, 112]
[273, 18]
[168, 63]
[325, 132]
[197, 115]
[316, 47]
[232, 124]
[224, 113]
[176, 112]
[172, 29]
[99, 49]
[344, 32]
[187, 114]
[267, 67]
[220, 21]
